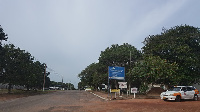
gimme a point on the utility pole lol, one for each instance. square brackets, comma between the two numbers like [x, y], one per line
[129, 77]
[44, 75]
[62, 83]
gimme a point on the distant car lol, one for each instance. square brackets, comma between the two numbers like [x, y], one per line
[53, 88]
[179, 93]
[88, 89]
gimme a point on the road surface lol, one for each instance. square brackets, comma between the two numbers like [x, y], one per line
[61, 101]
[81, 101]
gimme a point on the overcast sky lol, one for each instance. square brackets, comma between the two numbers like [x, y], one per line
[69, 35]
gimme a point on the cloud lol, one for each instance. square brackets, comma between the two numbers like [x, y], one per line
[151, 17]
[70, 35]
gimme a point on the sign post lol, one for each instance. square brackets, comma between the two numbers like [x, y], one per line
[117, 73]
[134, 90]
[115, 91]
[122, 84]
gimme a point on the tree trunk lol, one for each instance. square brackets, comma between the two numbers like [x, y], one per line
[9, 88]
[27, 87]
[116, 85]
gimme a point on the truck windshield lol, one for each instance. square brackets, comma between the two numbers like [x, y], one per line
[175, 89]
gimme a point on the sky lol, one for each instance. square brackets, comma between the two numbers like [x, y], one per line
[69, 35]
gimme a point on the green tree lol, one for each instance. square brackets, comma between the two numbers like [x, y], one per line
[18, 68]
[37, 75]
[86, 76]
[10, 65]
[154, 70]
[25, 69]
[80, 85]
[179, 44]
[117, 55]
[92, 76]
[53, 83]
[3, 36]
[120, 55]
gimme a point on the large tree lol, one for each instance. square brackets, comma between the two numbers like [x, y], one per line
[93, 76]
[117, 55]
[154, 70]
[19, 68]
[120, 55]
[10, 62]
[3, 36]
[180, 44]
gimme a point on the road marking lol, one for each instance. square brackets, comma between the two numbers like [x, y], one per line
[99, 96]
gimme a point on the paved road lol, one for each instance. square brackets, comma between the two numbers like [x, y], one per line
[62, 101]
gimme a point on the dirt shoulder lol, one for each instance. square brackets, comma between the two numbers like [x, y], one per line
[19, 94]
[111, 96]
[142, 103]
[145, 105]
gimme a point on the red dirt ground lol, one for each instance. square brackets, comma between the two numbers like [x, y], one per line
[131, 105]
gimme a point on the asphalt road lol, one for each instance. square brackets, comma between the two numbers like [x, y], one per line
[81, 101]
[61, 101]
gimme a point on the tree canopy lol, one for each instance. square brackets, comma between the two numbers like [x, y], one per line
[3, 36]
[154, 70]
[171, 58]
[180, 44]
[117, 55]
[18, 68]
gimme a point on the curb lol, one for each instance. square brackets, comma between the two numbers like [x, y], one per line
[99, 96]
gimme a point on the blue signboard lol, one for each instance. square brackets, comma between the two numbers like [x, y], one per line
[116, 73]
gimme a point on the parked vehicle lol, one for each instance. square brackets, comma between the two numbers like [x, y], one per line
[179, 93]
[88, 89]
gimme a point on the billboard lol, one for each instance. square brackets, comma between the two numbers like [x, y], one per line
[117, 73]
[122, 84]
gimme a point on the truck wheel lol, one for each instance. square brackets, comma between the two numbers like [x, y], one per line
[195, 97]
[178, 98]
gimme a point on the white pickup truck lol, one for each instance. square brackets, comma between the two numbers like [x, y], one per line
[180, 92]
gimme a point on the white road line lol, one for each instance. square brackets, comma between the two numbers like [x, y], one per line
[99, 96]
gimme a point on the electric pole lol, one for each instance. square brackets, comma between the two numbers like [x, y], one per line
[130, 76]
[44, 75]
